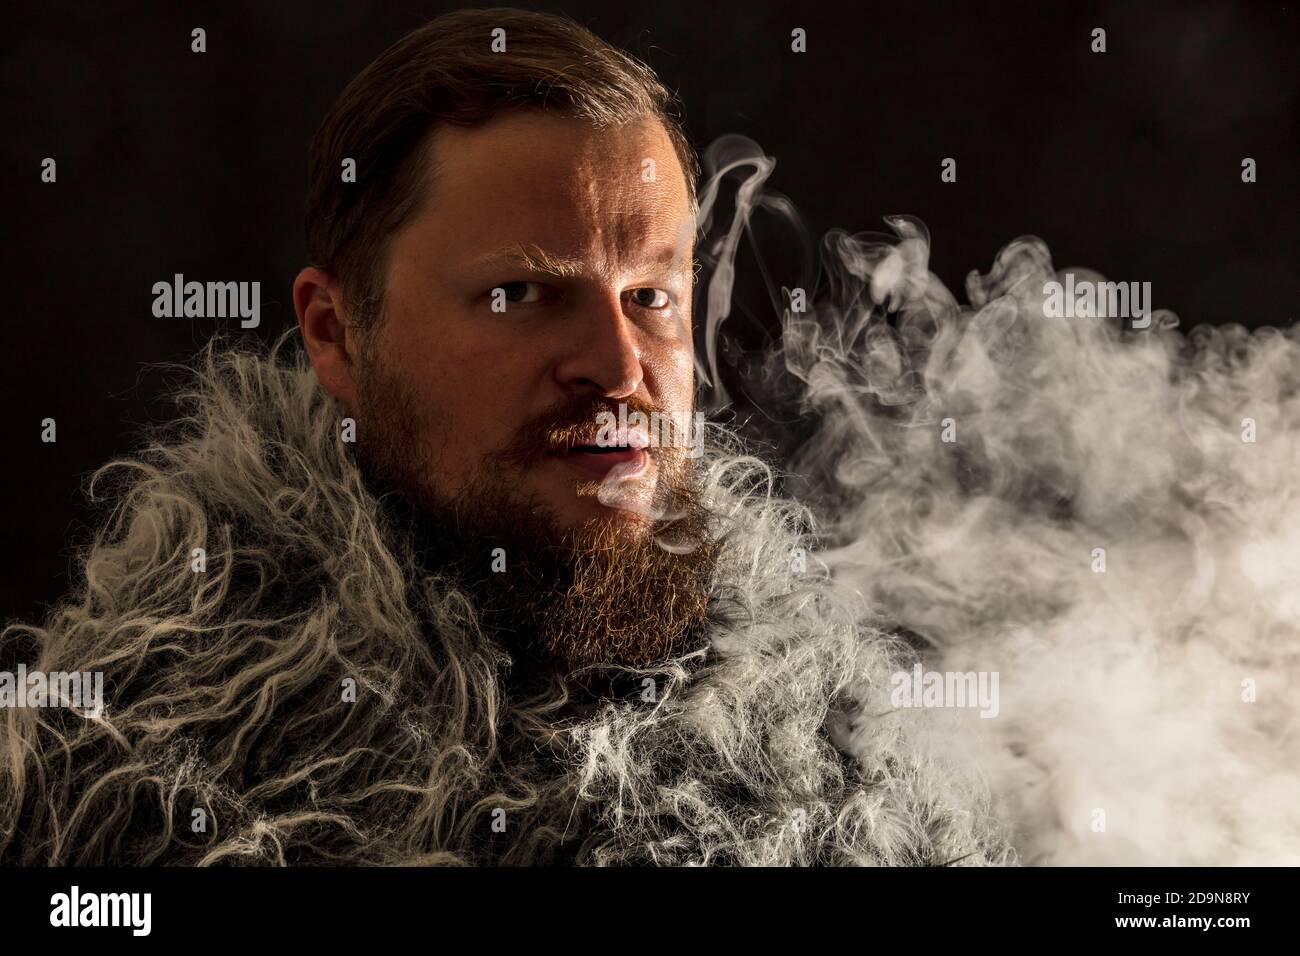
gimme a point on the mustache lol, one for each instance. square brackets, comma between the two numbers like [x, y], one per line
[566, 424]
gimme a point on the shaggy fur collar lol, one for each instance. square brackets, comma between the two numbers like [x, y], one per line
[224, 689]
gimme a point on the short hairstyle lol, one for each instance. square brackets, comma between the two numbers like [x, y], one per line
[446, 72]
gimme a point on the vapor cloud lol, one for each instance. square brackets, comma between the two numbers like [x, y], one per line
[1108, 518]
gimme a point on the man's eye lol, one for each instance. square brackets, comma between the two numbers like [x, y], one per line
[521, 293]
[650, 298]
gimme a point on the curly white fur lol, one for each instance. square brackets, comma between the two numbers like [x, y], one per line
[224, 687]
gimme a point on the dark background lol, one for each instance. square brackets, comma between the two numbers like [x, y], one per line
[1127, 162]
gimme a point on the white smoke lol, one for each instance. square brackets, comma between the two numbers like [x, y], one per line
[1149, 711]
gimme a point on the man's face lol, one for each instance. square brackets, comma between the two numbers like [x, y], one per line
[592, 257]
[487, 419]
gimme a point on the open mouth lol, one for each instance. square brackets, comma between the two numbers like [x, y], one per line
[603, 460]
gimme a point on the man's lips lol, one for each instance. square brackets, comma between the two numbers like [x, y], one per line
[600, 462]
[612, 455]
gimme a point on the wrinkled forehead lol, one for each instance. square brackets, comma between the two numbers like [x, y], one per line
[614, 197]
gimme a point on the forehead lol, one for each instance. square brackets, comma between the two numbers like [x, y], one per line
[558, 183]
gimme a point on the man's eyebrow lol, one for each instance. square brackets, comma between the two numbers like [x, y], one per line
[527, 255]
[532, 257]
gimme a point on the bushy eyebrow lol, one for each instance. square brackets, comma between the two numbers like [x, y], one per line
[532, 257]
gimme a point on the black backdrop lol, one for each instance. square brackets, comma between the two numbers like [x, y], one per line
[1127, 162]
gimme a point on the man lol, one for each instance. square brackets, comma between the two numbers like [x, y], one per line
[412, 598]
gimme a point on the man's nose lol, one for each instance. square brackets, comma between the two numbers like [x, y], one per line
[603, 353]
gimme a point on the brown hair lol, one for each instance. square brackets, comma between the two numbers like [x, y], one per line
[445, 72]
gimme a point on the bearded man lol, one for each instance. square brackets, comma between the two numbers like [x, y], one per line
[391, 597]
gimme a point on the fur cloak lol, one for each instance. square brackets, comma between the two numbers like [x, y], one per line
[226, 736]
